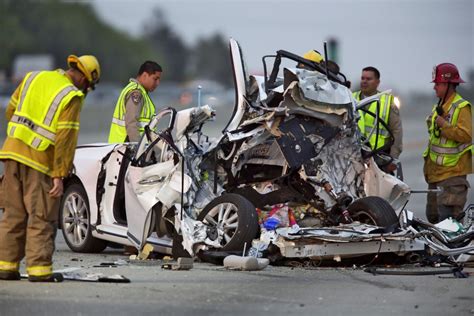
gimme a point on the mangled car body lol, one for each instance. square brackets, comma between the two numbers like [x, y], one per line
[291, 144]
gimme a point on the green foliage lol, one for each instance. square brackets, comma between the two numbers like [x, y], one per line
[169, 46]
[63, 28]
[212, 60]
[57, 28]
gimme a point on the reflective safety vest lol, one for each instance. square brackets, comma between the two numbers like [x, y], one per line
[367, 121]
[118, 131]
[443, 151]
[43, 96]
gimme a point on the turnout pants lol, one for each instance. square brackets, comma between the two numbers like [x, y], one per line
[449, 202]
[29, 221]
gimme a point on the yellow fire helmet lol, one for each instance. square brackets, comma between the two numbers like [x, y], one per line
[313, 55]
[88, 65]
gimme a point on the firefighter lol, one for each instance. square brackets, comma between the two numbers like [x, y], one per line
[314, 56]
[134, 108]
[388, 113]
[43, 126]
[448, 157]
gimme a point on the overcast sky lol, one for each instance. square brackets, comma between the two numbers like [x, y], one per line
[404, 39]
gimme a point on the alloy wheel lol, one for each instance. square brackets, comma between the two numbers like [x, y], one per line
[75, 219]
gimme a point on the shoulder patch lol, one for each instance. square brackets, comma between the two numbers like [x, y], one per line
[395, 109]
[136, 97]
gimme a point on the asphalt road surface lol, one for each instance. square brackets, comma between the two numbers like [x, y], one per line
[211, 290]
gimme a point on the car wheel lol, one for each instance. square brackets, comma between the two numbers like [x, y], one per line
[234, 219]
[373, 210]
[74, 215]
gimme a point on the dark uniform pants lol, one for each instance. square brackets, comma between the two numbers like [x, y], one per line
[449, 202]
[29, 221]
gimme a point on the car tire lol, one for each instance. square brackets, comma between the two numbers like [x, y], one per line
[373, 210]
[74, 216]
[238, 221]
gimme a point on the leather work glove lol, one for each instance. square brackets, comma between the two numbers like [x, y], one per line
[390, 168]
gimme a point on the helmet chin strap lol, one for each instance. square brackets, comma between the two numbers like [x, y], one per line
[442, 100]
[439, 107]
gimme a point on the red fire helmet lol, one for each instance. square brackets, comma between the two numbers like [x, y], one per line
[446, 73]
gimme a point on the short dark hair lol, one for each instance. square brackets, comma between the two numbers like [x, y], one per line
[150, 67]
[374, 70]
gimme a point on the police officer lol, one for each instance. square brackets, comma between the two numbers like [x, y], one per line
[448, 157]
[388, 112]
[134, 108]
[43, 126]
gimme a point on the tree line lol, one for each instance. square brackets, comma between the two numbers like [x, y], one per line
[61, 28]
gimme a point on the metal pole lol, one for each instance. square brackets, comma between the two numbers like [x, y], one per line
[199, 95]
[326, 58]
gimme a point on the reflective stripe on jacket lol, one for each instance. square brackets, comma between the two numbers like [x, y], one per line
[367, 121]
[43, 95]
[118, 130]
[443, 151]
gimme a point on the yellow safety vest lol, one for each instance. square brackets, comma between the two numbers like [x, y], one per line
[118, 131]
[443, 151]
[43, 96]
[367, 121]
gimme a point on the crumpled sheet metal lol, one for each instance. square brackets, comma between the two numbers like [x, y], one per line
[337, 242]
[317, 87]
[342, 166]
[354, 239]
[344, 233]
[378, 183]
[194, 233]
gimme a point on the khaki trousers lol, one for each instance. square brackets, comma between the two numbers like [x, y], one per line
[449, 202]
[29, 222]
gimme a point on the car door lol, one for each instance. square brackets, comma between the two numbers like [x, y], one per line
[241, 83]
[147, 179]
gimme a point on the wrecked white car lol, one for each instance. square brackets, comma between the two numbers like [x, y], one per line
[295, 140]
[290, 152]
[133, 193]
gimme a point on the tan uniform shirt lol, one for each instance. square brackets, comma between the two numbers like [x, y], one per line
[133, 107]
[57, 158]
[462, 133]
[395, 126]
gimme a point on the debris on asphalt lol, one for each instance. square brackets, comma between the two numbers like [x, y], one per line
[121, 262]
[244, 263]
[147, 262]
[95, 277]
[183, 264]
[456, 272]
[147, 249]
[105, 265]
